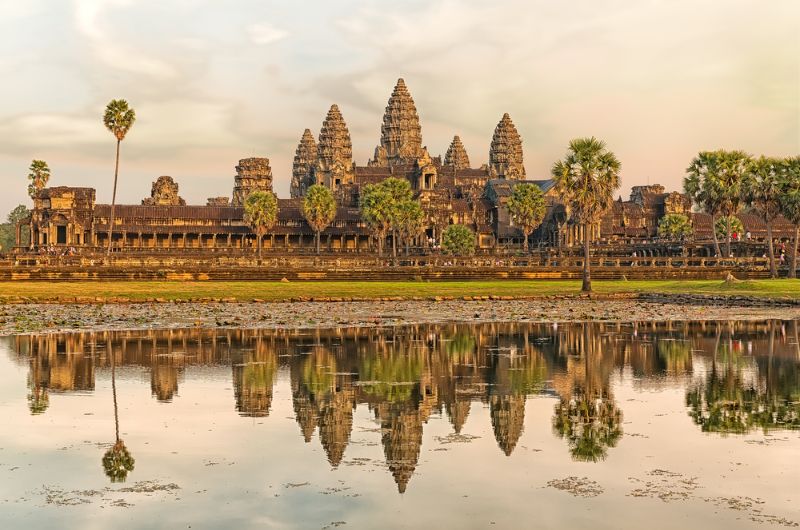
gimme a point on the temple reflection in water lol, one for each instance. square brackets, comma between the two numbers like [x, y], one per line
[738, 376]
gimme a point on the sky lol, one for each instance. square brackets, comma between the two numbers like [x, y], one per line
[213, 82]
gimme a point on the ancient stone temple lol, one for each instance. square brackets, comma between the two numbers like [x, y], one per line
[335, 152]
[505, 153]
[305, 157]
[164, 192]
[401, 133]
[252, 174]
[448, 188]
[456, 155]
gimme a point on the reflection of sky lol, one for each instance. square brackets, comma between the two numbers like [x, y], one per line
[214, 82]
[233, 470]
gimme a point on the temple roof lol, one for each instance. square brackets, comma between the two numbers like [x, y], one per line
[505, 153]
[401, 134]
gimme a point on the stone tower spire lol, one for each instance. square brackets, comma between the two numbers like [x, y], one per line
[505, 154]
[456, 155]
[401, 134]
[252, 174]
[334, 152]
[303, 167]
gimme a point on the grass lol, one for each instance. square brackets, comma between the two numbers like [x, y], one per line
[249, 290]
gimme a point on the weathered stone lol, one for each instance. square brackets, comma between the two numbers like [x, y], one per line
[505, 153]
[334, 152]
[164, 192]
[252, 174]
[305, 157]
[456, 155]
[218, 201]
[401, 133]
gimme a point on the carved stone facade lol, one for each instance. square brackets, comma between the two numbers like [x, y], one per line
[252, 174]
[505, 153]
[401, 133]
[456, 155]
[449, 191]
[334, 166]
[164, 192]
[305, 157]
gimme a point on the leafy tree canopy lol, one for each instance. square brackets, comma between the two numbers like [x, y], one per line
[458, 240]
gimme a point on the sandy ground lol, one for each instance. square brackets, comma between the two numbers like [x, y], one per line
[25, 318]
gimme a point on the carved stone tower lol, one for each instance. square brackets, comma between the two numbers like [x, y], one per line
[456, 155]
[164, 193]
[334, 152]
[505, 154]
[303, 167]
[252, 174]
[401, 134]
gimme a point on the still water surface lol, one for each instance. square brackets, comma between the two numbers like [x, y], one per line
[659, 425]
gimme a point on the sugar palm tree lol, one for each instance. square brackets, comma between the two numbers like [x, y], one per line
[527, 207]
[118, 118]
[117, 461]
[701, 186]
[410, 221]
[319, 209]
[39, 175]
[762, 192]
[261, 213]
[586, 181]
[790, 203]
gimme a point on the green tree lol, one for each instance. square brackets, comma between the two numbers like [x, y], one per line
[39, 176]
[319, 209]
[380, 208]
[586, 181]
[458, 240]
[410, 221]
[790, 203]
[400, 192]
[118, 118]
[8, 230]
[725, 223]
[675, 226]
[261, 213]
[762, 193]
[715, 180]
[527, 207]
[117, 461]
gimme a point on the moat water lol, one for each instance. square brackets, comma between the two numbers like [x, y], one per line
[637, 425]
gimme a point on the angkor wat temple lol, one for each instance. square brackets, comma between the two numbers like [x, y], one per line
[449, 190]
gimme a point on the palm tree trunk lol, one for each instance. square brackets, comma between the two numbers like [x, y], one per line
[380, 243]
[394, 243]
[793, 261]
[714, 233]
[114, 392]
[727, 236]
[587, 279]
[773, 272]
[525, 242]
[317, 234]
[259, 245]
[113, 201]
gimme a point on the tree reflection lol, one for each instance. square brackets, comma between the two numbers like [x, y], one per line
[740, 394]
[587, 416]
[117, 461]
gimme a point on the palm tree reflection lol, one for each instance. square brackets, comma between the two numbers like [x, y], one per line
[117, 461]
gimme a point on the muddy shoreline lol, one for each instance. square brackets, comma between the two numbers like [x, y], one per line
[61, 317]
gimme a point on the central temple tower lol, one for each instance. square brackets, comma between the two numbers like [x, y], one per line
[401, 134]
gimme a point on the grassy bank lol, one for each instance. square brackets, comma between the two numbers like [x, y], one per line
[270, 291]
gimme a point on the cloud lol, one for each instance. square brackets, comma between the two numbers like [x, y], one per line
[264, 33]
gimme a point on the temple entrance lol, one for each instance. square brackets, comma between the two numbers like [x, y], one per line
[61, 235]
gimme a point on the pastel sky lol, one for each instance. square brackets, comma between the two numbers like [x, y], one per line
[213, 82]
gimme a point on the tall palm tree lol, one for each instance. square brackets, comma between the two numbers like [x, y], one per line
[762, 192]
[319, 209]
[261, 213]
[586, 180]
[39, 176]
[700, 185]
[118, 119]
[714, 180]
[790, 203]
